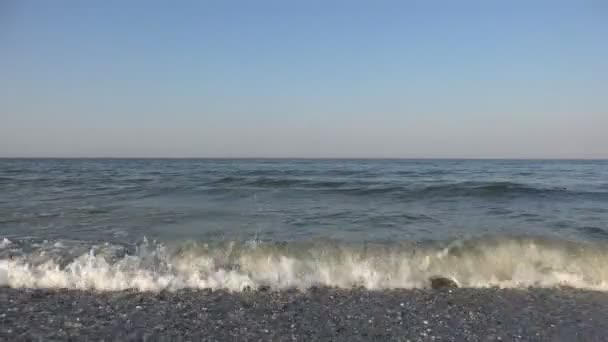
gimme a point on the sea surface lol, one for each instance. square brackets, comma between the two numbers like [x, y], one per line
[155, 224]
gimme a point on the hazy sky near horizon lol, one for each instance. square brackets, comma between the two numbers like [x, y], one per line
[498, 79]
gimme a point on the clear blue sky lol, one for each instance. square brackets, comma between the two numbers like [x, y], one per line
[304, 78]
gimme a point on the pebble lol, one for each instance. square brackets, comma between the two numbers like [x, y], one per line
[322, 314]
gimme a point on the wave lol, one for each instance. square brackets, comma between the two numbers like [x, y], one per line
[593, 231]
[405, 189]
[237, 266]
[401, 185]
[488, 189]
[273, 182]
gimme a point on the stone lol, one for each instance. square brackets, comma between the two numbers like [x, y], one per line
[439, 282]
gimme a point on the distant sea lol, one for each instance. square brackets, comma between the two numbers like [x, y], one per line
[155, 224]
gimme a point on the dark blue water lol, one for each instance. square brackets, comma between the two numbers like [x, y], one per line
[169, 224]
[354, 200]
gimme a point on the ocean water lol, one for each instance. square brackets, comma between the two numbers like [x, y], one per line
[236, 224]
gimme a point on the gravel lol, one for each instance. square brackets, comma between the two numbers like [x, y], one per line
[317, 314]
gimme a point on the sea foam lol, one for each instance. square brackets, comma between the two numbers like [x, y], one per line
[5, 243]
[237, 266]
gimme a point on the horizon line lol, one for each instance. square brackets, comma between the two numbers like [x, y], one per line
[293, 158]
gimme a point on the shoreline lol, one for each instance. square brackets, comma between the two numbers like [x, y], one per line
[489, 314]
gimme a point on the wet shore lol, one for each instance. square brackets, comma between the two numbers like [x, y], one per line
[318, 314]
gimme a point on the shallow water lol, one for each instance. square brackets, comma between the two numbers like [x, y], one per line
[156, 224]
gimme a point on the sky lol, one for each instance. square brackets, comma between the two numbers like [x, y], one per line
[305, 79]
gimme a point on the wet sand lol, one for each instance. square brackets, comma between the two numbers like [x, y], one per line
[318, 314]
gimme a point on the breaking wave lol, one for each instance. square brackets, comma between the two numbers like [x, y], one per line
[237, 266]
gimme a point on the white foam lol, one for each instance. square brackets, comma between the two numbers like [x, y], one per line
[5, 243]
[4, 273]
[507, 263]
